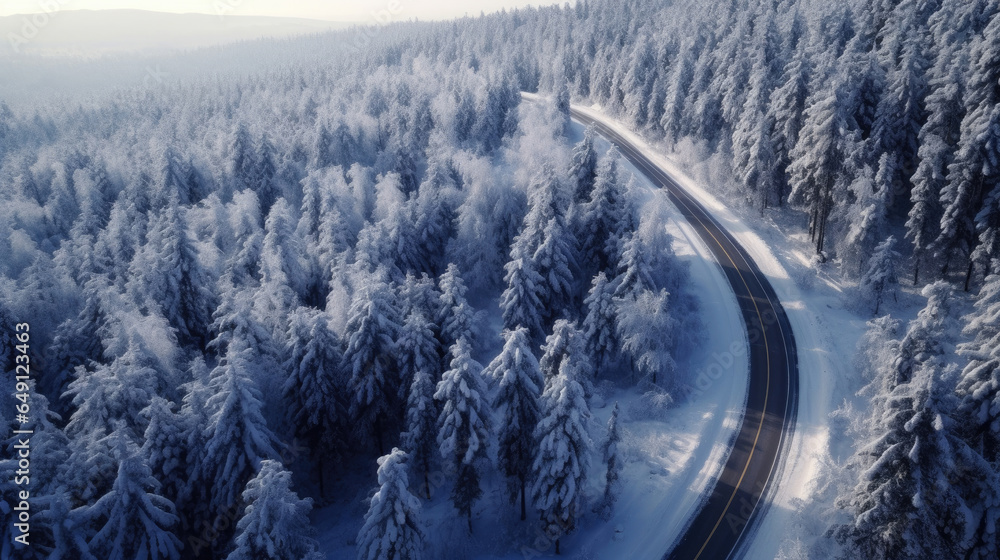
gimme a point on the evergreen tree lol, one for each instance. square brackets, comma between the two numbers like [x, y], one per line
[519, 387]
[562, 459]
[165, 448]
[787, 109]
[167, 276]
[117, 392]
[880, 278]
[417, 350]
[977, 162]
[566, 341]
[979, 413]
[313, 390]
[987, 253]
[613, 460]
[604, 215]
[520, 302]
[634, 269]
[285, 279]
[237, 437]
[434, 223]
[455, 315]
[599, 334]
[275, 523]
[374, 325]
[913, 498]
[929, 336]
[132, 520]
[647, 330]
[464, 425]
[555, 258]
[392, 524]
[979, 386]
[820, 155]
[583, 169]
[421, 424]
[869, 215]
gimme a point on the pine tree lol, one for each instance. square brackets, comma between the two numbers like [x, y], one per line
[913, 498]
[583, 169]
[987, 253]
[819, 157]
[421, 424]
[420, 294]
[392, 524]
[117, 392]
[434, 223]
[613, 460]
[938, 137]
[928, 336]
[519, 381]
[194, 415]
[604, 215]
[880, 278]
[165, 448]
[417, 350]
[565, 341]
[520, 302]
[978, 412]
[979, 386]
[464, 425]
[787, 109]
[374, 325]
[285, 279]
[237, 437]
[132, 520]
[977, 162]
[634, 269]
[869, 215]
[313, 390]
[167, 276]
[455, 315]
[599, 334]
[563, 456]
[555, 259]
[647, 330]
[275, 523]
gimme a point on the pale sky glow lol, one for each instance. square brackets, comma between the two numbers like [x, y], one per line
[365, 11]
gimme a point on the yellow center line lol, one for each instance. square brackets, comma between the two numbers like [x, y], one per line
[767, 354]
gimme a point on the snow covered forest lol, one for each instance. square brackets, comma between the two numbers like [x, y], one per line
[244, 287]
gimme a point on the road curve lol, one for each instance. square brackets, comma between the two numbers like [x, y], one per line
[734, 504]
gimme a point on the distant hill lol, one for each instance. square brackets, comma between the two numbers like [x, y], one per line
[88, 33]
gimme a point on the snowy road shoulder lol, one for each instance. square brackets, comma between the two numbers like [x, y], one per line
[671, 463]
[820, 356]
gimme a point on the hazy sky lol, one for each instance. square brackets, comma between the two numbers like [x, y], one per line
[340, 10]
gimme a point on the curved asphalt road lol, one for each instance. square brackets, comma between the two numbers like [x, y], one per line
[734, 504]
